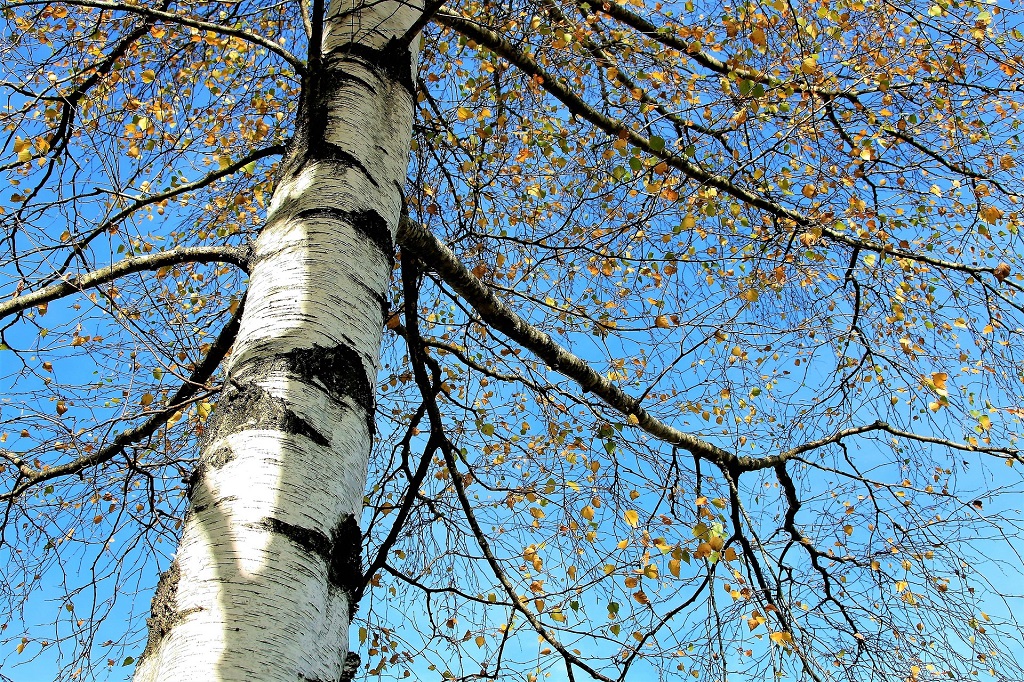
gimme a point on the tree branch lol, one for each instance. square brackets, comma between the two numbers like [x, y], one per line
[173, 18]
[91, 280]
[197, 381]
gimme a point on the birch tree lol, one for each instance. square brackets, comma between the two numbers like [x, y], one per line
[542, 339]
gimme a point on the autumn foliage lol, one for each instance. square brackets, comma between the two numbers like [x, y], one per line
[701, 354]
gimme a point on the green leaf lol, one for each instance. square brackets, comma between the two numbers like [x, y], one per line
[657, 143]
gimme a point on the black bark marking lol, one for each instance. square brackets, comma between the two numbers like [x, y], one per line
[351, 667]
[249, 406]
[339, 370]
[313, 541]
[217, 457]
[164, 609]
[342, 551]
[213, 458]
[392, 62]
[370, 224]
[346, 570]
[329, 152]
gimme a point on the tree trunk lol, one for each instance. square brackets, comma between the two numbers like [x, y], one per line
[261, 585]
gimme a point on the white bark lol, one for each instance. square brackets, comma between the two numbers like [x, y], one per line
[260, 587]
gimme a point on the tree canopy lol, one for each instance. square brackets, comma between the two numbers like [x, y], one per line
[700, 347]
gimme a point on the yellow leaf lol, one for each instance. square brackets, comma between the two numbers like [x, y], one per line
[990, 214]
[148, 76]
[632, 518]
[147, 400]
[204, 408]
[781, 637]
[557, 616]
[480, 641]
[464, 114]
[651, 571]
[848, 529]
[662, 322]
[750, 295]
[536, 512]
[588, 513]
[985, 422]
[673, 567]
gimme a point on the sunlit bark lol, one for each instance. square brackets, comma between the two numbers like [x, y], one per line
[261, 586]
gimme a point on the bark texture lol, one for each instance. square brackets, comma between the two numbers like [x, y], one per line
[261, 586]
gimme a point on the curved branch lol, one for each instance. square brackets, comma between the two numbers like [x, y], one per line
[207, 366]
[437, 432]
[618, 128]
[495, 312]
[142, 202]
[91, 280]
[173, 18]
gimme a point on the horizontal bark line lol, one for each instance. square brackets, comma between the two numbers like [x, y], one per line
[369, 223]
[338, 370]
[328, 152]
[246, 406]
[393, 61]
[341, 551]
